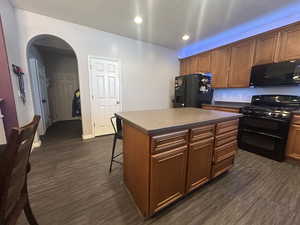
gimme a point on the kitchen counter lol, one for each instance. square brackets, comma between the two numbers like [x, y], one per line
[237, 105]
[167, 120]
[169, 153]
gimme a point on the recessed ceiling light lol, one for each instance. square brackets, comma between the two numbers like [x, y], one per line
[185, 37]
[138, 20]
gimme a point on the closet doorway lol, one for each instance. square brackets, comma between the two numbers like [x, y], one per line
[54, 77]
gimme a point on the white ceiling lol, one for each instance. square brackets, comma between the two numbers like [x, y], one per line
[165, 21]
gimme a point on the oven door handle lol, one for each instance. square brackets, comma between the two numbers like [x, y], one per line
[262, 133]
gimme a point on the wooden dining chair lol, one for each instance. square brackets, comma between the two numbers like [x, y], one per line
[14, 167]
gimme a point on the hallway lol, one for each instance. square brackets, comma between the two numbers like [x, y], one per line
[62, 132]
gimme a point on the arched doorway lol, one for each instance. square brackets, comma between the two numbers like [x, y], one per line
[53, 69]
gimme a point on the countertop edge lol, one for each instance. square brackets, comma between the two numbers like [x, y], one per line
[236, 105]
[180, 127]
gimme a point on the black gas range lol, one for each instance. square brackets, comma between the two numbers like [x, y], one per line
[265, 125]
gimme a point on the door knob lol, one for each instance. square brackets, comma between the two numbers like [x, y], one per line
[118, 102]
[44, 101]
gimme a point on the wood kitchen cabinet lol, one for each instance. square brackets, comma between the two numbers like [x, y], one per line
[290, 43]
[200, 160]
[182, 66]
[241, 63]
[204, 62]
[231, 64]
[165, 162]
[220, 62]
[200, 63]
[168, 175]
[293, 145]
[266, 47]
[185, 66]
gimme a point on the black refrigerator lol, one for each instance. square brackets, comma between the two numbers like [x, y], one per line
[192, 90]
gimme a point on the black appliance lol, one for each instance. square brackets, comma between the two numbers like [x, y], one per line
[192, 90]
[265, 125]
[283, 73]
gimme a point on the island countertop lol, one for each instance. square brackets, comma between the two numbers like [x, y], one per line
[166, 120]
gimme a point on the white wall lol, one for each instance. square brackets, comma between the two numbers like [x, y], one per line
[11, 33]
[245, 94]
[62, 73]
[147, 70]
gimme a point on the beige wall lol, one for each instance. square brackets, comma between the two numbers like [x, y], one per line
[147, 70]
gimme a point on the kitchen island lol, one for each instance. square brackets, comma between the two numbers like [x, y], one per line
[169, 153]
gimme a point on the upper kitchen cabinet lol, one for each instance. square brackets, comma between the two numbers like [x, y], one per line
[290, 43]
[182, 66]
[220, 62]
[266, 47]
[185, 66]
[193, 64]
[241, 62]
[204, 62]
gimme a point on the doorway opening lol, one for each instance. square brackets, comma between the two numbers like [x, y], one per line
[54, 77]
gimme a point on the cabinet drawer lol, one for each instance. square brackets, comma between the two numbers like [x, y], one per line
[169, 141]
[222, 167]
[296, 119]
[224, 152]
[227, 126]
[200, 133]
[226, 138]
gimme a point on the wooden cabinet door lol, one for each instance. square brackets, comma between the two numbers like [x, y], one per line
[289, 48]
[204, 62]
[188, 65]
[168, 177]
[220, 62]
[182, 66]
[194, 64]
[241, 63]
[293, 146]
[265, 48]
[199, 163]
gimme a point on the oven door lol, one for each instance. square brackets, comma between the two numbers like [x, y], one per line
[261, 143]
[265, 125]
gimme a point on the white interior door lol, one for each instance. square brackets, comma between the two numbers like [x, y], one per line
[43, 91]
[105, 77]
[40, 98]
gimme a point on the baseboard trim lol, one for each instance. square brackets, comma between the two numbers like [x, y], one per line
[87, 136]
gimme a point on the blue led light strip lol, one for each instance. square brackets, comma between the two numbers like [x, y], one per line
[276, 19]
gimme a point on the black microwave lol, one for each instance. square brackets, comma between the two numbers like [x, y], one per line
[282, 73]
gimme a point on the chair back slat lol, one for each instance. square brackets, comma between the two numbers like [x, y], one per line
[117, 125]
[15, 167]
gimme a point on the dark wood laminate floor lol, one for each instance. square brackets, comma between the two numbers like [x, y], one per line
[70, 185]
[62, 132]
